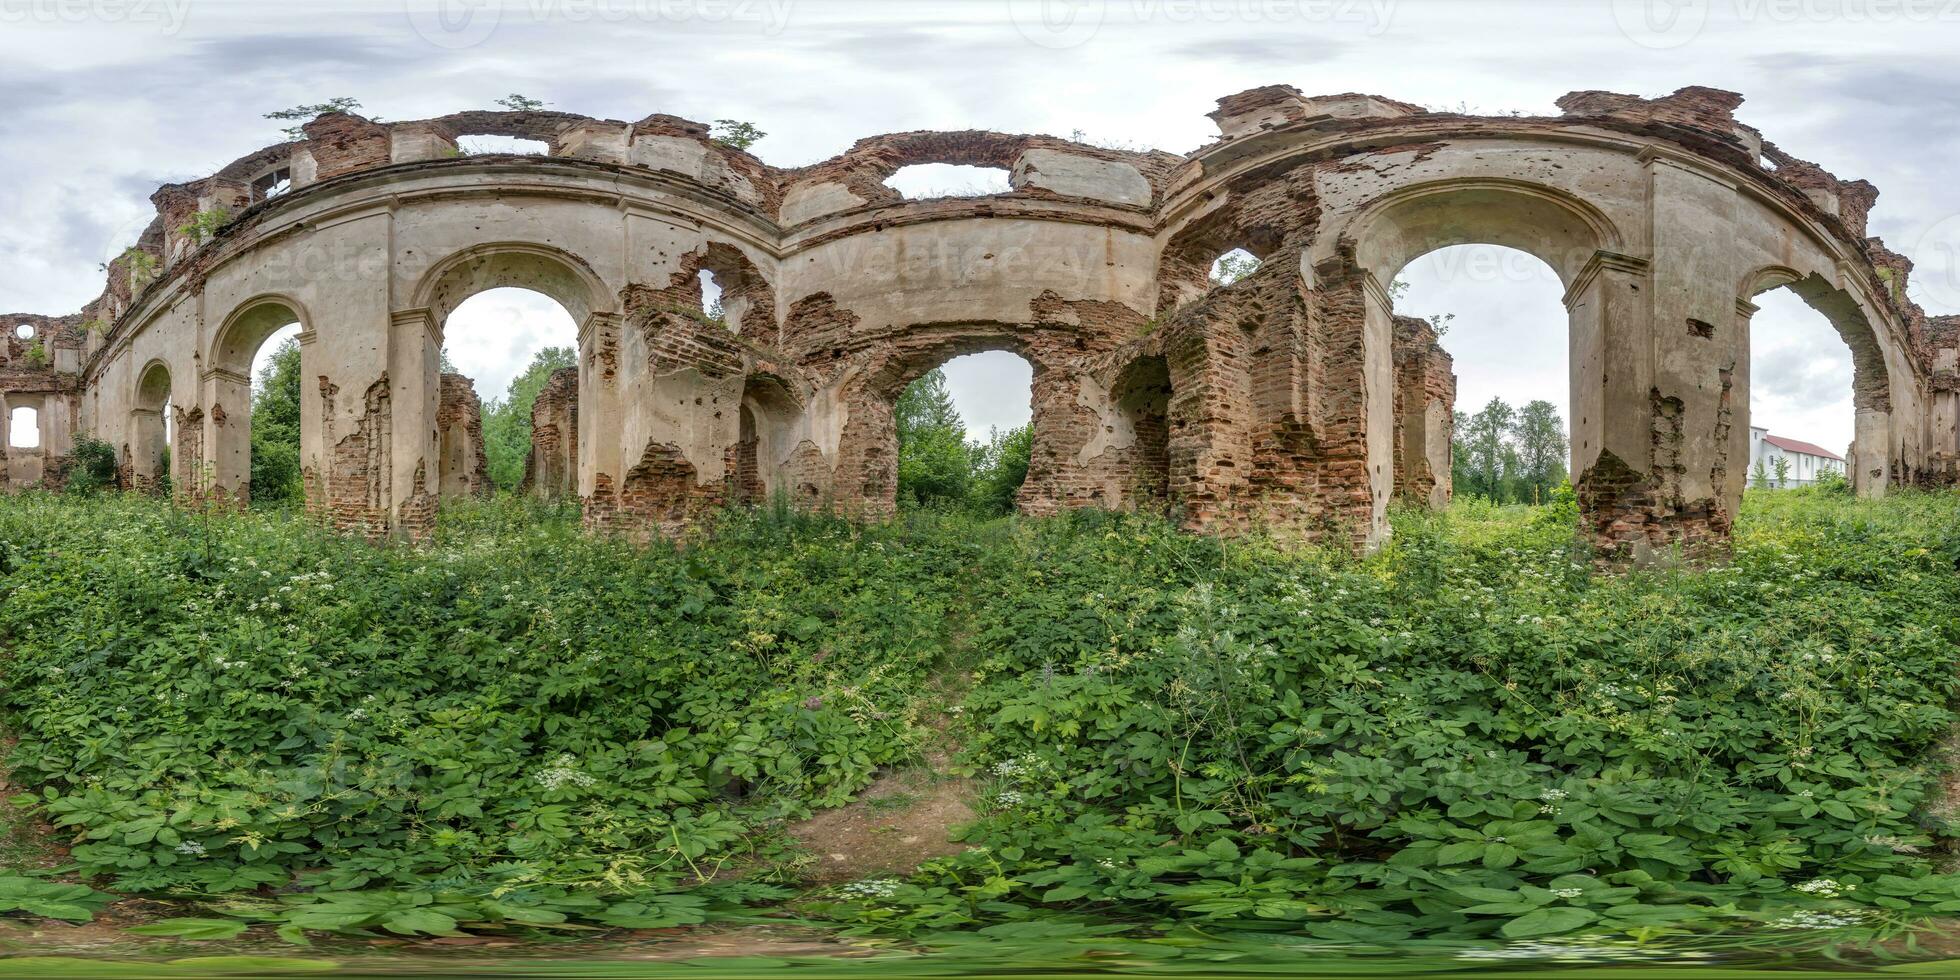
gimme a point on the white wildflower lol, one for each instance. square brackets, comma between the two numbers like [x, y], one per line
[562, 770]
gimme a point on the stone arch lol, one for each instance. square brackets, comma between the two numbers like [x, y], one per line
[1580, 243]
[226, 395]
[447, 457]
[149, 428]
[771, 441]
[554, 272]
[868, 451]
[1565, 232]
[1871, 468]
[1141, 397]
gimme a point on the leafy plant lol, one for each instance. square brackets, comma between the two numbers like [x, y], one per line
[519, 103]
[92, 466]
[307, 113]
[736, 134]
[142, 267]
[204, 225]
[49, 900]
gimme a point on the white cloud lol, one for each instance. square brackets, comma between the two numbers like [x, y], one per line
[991, 390]
[100, 111]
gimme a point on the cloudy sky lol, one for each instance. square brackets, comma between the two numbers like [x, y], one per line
[109, 98]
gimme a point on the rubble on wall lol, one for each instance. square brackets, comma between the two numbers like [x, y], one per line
[551, 469]
[465, 470]
[1255, 404]
[40, 372]
[1425, 414]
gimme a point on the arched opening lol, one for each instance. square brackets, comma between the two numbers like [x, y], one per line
[503, 348]
[1232, 267]
[510, 315]
[767, 445]
[924, 181]
[253, 423]
[1141, 433]
[1555, 230]
[965, 433]
[1817, 388]
[24, 428]
[1483, 377]
[149, 431]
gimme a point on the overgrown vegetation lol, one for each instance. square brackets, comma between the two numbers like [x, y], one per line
[507, 420]
[937, 465]
[1468, 736]
[736, 134]
[1509, 455]
[300, 115]
[276, 470]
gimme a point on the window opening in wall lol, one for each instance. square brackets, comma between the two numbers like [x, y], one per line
[922, 181]
[24, 428]
[965, 434]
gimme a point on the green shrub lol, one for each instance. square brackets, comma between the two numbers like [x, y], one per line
[1467, 735]
[92, 466]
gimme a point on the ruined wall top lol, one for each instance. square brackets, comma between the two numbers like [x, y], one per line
[195, 215]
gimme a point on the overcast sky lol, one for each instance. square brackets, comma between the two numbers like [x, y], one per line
[106, 99]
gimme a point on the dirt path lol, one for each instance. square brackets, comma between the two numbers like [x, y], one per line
[900, 821]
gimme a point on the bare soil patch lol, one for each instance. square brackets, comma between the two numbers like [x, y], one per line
[900, 821]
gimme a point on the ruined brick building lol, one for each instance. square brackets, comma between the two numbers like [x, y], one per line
[1292, 399]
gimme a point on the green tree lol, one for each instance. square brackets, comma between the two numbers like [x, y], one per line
[303, 114]
[1759, 475]
[1541, 442]
[520, 103]
[275, 429]
[1485, 439]
[1782, 470]
[935, 465]
[736, 134]
[1002, 468]
[507, 420]
[1232, 267]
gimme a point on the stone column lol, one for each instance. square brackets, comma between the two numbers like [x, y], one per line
[601, 417]
[415, 400]
[226, 470]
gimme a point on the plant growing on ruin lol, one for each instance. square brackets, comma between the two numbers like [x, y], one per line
[307, 113]
[92, 466]
[736, 134]
[142, 267]
[95, 325]
[520, 103]
[37, 354]
[204, 225]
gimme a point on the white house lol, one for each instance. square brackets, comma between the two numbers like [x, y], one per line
[1806, 460]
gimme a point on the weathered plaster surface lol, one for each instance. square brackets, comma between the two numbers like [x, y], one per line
[1292, 399]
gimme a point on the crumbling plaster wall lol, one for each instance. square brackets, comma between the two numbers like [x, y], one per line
[1270, 402]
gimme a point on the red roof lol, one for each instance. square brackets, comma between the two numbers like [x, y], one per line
[1800, 446]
